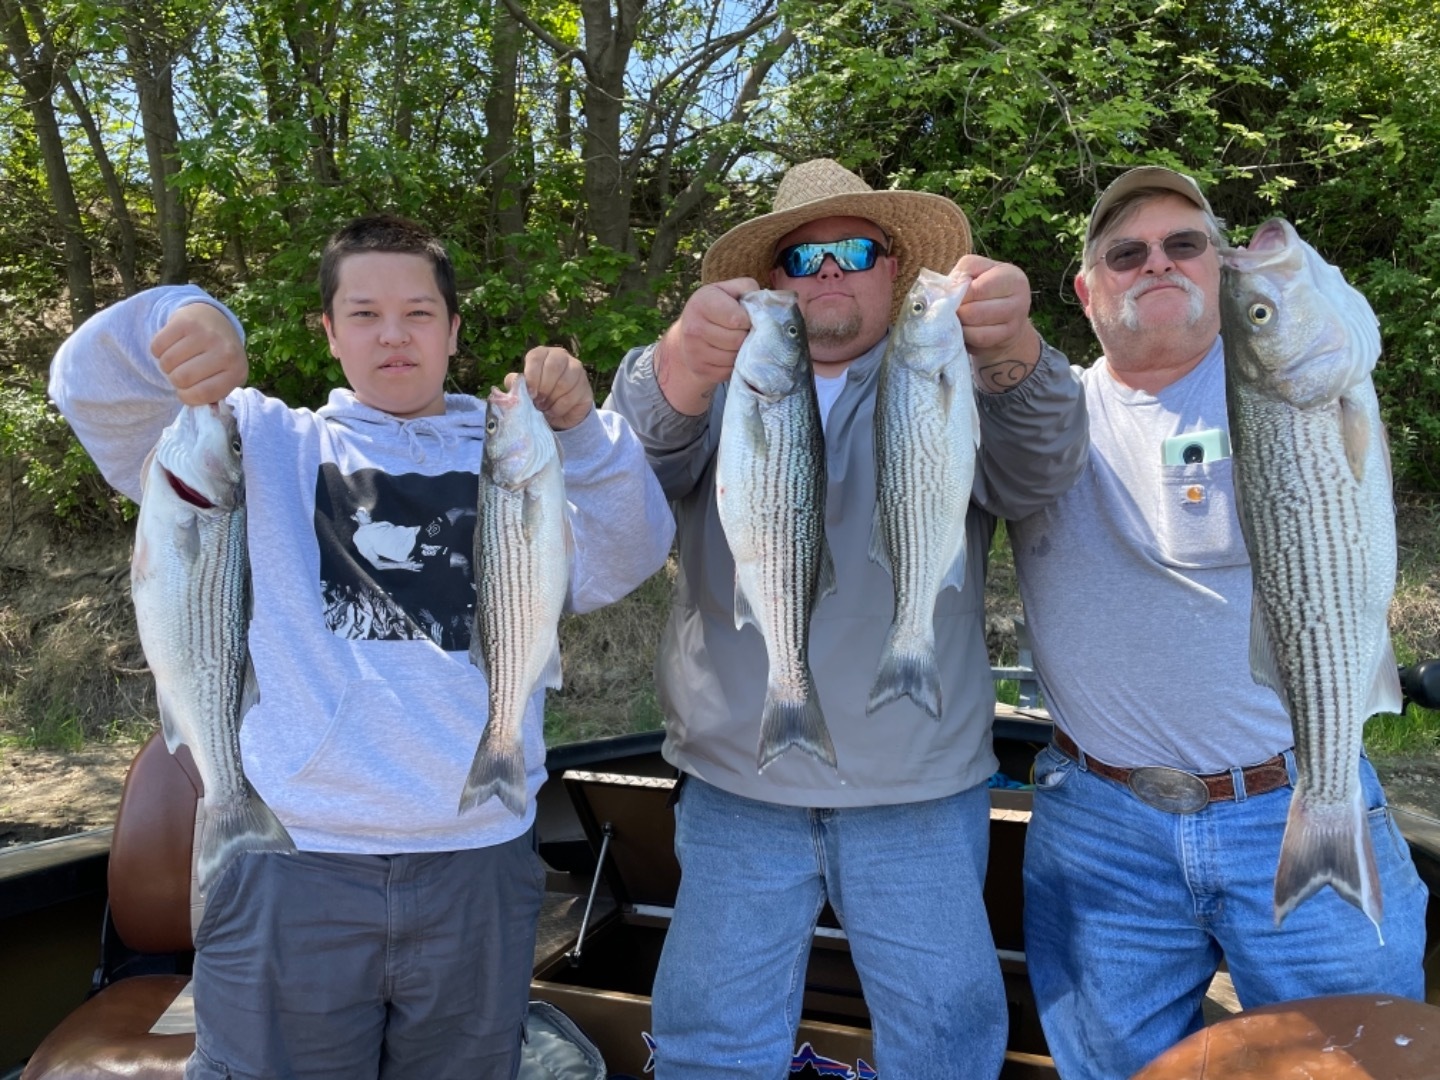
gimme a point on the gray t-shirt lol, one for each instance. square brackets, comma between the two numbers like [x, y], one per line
[1137, 584]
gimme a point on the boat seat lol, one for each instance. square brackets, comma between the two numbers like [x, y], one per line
[1345, 1037]
[153, 901]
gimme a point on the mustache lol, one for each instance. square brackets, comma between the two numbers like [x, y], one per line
[1174, 277]
[1130, 312]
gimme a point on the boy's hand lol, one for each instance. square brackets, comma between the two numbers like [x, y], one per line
[201, 354]
[558, 385]
[1004, 348]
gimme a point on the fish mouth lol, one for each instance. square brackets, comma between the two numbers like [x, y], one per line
[1269, 237]
[1269, 247]
[186, 492]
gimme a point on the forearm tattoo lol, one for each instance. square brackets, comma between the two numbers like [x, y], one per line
[998, 376]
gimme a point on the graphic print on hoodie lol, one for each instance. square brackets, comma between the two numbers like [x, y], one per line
[395, 555]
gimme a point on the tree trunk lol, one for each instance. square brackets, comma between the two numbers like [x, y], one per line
[37, 82]
[124, 222]
[507, 196]
[608, 188]
[151, 60]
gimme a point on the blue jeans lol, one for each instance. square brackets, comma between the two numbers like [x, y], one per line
[906, 883]
[1129, 909]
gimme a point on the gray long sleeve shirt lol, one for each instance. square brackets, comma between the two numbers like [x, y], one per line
[710, 677]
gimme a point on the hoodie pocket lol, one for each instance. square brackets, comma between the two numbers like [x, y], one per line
[395, 755]
[1196, 526]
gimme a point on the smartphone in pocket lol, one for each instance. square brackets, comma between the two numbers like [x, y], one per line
[1195, 447]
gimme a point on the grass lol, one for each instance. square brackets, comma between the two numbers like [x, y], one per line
[608, 659]
[1415, 733]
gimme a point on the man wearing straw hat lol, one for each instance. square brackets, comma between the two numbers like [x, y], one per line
[895, 838]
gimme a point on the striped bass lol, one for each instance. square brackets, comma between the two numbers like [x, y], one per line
[1312, 477]
[190, 582]
[927, 429]
[770, 491]
[522, 566]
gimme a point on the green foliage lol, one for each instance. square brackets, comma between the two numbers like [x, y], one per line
[50, 464]
[560, 298]
[295, 119]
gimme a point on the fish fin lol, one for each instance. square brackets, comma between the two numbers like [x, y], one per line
[248, 825]
[496, 771]
[744, 613]
[974, 404]
[187, 537]
[1355, 433]
[550, 678]
[532, 514]
[946, 381]
[955, 576]
[1385, 687]
[824, 573]
[912, 673]
[753, 428]
[250, 689]
[169, 725]
[787, 724]
[1327, 845]
[1263, 667]
[879, 553]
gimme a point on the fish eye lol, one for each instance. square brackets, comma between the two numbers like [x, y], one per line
[792, 330]
[917, 307]
[490, 426]
[1260, 314]
[235, 445]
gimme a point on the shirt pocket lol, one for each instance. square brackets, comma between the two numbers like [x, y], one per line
[1196, 526]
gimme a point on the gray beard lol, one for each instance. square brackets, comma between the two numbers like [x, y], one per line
[1130, 309]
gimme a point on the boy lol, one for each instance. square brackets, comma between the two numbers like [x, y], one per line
[398, 941]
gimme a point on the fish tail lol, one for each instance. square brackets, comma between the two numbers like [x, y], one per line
[496, 771]
[1327, 845]
[247, 825]
[784, 724]
[911, 673]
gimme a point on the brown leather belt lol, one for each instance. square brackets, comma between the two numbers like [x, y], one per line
[1176, 790]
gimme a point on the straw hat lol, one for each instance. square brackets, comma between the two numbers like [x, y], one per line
[925, 230]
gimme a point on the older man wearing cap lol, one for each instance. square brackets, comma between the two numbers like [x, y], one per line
[1161, 801]
[895, 838]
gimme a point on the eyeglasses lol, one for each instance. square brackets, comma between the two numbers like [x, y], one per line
[1179, 246]
[805, 260]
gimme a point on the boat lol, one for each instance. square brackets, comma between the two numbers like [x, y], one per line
[94, 928]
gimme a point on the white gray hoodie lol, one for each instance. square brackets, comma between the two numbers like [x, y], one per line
[360, 531]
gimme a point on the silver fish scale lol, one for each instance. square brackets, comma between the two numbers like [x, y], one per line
[510, 575]
[916, 490]
[200, 641]
[1318, 570]
[787, 509]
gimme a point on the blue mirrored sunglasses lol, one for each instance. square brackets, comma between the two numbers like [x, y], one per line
[805, 260]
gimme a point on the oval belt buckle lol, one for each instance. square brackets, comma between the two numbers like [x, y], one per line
[1171, 790]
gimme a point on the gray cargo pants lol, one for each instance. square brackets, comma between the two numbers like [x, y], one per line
[342, 967]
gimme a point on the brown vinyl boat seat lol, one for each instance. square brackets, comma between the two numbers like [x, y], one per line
[152, 904]
[1346, 1037]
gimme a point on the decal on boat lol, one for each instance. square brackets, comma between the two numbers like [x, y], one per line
[805, 1058]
